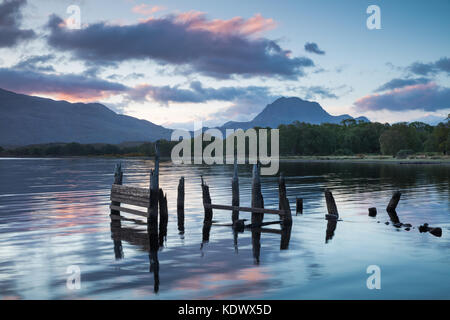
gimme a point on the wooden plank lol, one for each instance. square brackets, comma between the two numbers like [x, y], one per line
[131, 201]
[128, 210]
[244, 209]
[130, 191]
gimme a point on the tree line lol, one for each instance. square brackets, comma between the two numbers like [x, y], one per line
[302, 139]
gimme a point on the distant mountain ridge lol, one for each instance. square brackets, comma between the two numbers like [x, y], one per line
[26, 120]
[286, 111]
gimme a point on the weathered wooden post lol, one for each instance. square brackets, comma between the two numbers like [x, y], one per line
[180, 205]
[284, 202]
[152, 211]
[257, 198]
[118, 178]
[164, 217]
[393, 202]
[285, 237]
[206, 202]
[235, 193]
[299, 206]
[331, 205]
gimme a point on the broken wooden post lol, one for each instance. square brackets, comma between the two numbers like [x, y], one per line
[372, 212]
[180, 205]
[299, 206]
[331, 205]
[393, 202]
[257, 198]
[118, 178]
[206, 202]
[154, 191]
[164, 217]
[235, 193]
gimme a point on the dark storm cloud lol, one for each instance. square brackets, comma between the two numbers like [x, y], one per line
[66, 86]
[313, 48]
[400, 83]
[195, 94]
[431, 68]
[10, 19]
[428, 97]
[170, 41]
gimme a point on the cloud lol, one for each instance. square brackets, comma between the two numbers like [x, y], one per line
[70, 87]
[37, 63]
[424, 69]
[313, 48]
[428, 97]
[10, 19]
[217, 48]
[195, 94]
[315, 92]
[146, 9]
[400, 83]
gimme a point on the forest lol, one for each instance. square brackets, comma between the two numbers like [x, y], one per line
[297, 139]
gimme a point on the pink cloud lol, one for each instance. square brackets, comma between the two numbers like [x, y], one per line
[197, 21]
[147, 10]
[429, 97]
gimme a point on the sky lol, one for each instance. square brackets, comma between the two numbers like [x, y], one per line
[175, 62]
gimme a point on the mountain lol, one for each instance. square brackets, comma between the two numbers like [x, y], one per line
[28, 120]
[287, 110]
[430, 119]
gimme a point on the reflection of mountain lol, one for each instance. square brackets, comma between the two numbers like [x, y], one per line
[288, 110]
[32, 120]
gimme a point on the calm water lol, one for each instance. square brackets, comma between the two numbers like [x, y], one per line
[54, 213]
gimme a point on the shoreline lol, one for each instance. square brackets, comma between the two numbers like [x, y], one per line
[292, 159]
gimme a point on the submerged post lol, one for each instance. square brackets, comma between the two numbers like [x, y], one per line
[206, 202]
[118, 178]
[152, 218]
[299, 206]
[235, 193]
[180, 205]
[393, 202]
[331, 205]
[257, 198]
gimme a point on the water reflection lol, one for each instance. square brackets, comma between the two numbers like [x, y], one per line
[331, 227]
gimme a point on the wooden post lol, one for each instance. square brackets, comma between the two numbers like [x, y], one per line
[235, 192]
[393, 202]
[284, 202]
[299, 206]
[180, 205]
[257, 198]
[154, 191]
[331, 205]
[372, 212]
[164, 217]
[118, 178]
[285, 237]
[206, 201]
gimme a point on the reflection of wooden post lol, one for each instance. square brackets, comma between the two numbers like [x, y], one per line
[154, 190]
[299, 206]
[164, 217]
[331, 204]
[257, 198]
[394, 201]
[206, 202]
[180, 205]
[118, 178]
[235, 192]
